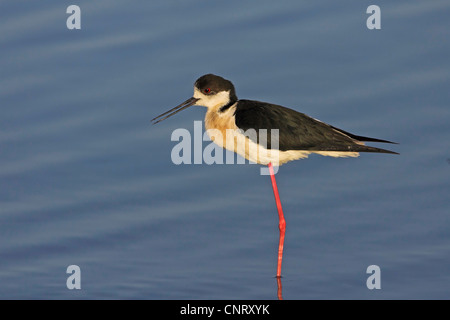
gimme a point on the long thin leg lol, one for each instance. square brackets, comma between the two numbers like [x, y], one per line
[279, 289]
[281, 223]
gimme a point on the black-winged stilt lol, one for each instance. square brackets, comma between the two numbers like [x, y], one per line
[297, 134]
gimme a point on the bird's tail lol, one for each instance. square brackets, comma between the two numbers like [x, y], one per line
[359, 145]
[361, 138]
[343, 149]
[364, 148]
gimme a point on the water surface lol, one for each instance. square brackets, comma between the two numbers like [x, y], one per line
[86, 180]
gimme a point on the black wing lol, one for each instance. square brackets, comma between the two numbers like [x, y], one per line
[297, 131]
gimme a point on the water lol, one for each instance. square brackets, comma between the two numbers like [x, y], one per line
[86, 180]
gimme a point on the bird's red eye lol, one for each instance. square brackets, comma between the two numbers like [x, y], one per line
[207, 90]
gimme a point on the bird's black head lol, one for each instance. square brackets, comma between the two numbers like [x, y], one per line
[210, 91]
[210, 84]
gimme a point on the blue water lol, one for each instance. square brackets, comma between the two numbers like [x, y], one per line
[86, 180]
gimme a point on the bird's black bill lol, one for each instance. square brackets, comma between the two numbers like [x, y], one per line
[189, 102]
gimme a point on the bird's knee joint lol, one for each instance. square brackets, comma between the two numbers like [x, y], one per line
[282, 225]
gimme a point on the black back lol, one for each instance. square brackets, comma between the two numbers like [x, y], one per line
[297, 131]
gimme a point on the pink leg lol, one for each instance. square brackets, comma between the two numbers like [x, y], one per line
[282, 222]
[280, 289]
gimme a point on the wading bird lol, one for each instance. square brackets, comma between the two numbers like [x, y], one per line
[296, 134]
